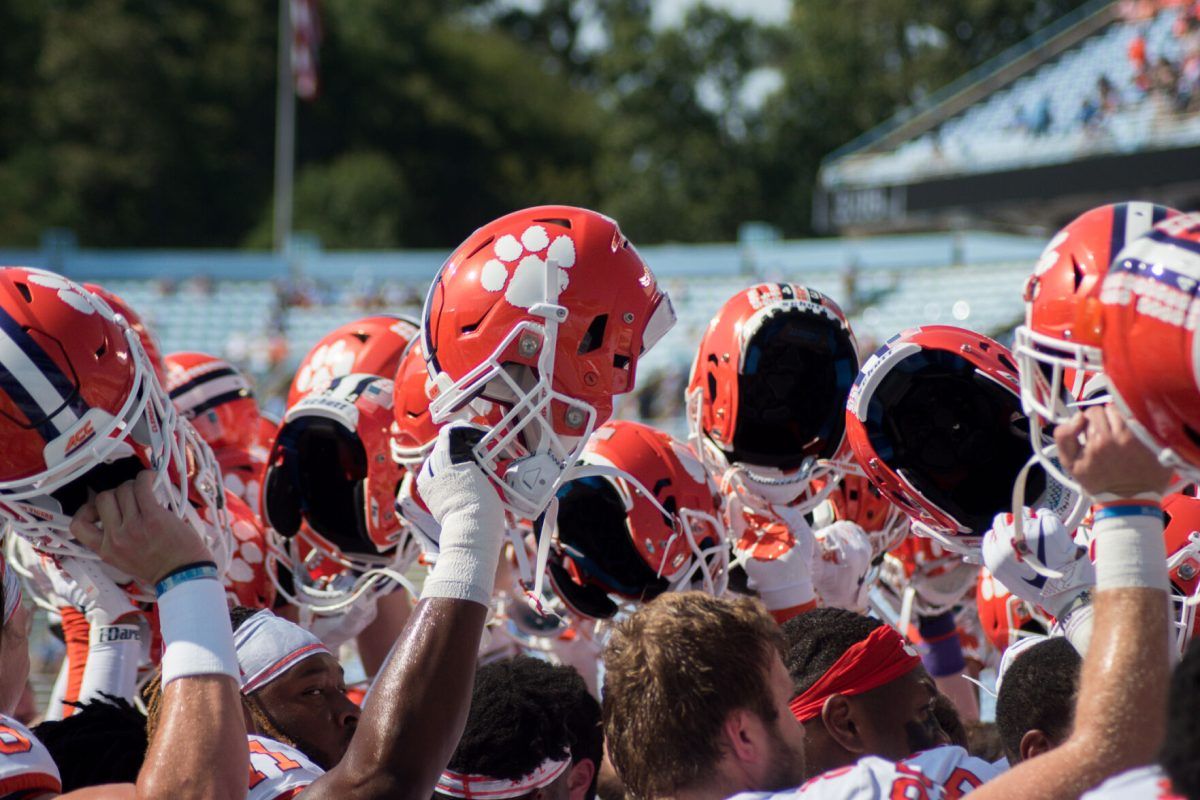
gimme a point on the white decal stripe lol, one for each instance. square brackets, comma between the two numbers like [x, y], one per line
[35, 383]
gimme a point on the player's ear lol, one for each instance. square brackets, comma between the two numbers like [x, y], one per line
[1034, 743]
[747, 736]
[838, 717]
[579, 779]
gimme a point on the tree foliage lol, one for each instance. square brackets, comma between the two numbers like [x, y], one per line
[151, 123]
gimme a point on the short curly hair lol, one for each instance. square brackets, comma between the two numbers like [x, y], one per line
[674, 671]
[524, 711]
[1038, 693]
[818, 638]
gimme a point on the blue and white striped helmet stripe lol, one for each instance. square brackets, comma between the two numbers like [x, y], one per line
[35, 383]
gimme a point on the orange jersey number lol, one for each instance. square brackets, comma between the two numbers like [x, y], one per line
[284, 763]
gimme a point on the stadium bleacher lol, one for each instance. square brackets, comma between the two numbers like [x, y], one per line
[988, 136]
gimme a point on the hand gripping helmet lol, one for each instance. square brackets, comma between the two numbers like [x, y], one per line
[934, 419]
[1058, 348]
[1005, 617]
[544, 312]
[637, 517]
[81, 410]
[329, 493]
[370, 346]
[1181, 513]
[855, 499]
[1151, 349]
[767, 389]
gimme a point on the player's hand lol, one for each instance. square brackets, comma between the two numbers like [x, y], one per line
[131, 531]
[776, 554]
[1052, 544]
[451, 477]
[840, 564]
[468, 508]
[1110, 459]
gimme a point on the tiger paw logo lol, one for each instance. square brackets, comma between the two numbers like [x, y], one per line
[328, 361]
[519, 265]
[69, 292]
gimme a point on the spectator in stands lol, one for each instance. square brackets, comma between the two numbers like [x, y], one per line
[1089, 112]
[1041, 118]
[1108, 96]
[1163, 77]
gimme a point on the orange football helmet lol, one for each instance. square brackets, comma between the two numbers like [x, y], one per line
[1151, 349]
[638, 517]
[545, 313]
[767, 390]
[371, 346]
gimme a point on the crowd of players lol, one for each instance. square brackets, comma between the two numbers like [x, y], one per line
[548, 603]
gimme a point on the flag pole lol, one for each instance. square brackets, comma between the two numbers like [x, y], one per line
[285, 131]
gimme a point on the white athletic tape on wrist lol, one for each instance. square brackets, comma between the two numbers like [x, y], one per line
[194, 619]
[466, 565]
[1130, 552]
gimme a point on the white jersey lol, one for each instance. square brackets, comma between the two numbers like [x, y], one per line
[25, 764]
[954, 769]
[1143, 783]
[278, 771]
[869, 778]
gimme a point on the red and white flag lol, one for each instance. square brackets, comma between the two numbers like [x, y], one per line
[306, 39]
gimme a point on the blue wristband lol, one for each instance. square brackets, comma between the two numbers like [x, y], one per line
[1127, 510]
[189, 572]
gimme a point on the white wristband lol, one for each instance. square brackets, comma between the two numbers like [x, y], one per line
[196, 632]
[1130, 552]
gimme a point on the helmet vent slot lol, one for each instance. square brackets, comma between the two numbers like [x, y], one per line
[1192, 434]
[593, 338]
[484, 244]
[562, 223]
[24, 290]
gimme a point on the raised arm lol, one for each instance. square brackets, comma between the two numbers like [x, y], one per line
[418, 706]
[199, 750]
[1121, 711]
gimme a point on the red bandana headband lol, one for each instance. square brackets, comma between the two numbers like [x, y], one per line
[881, 658]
